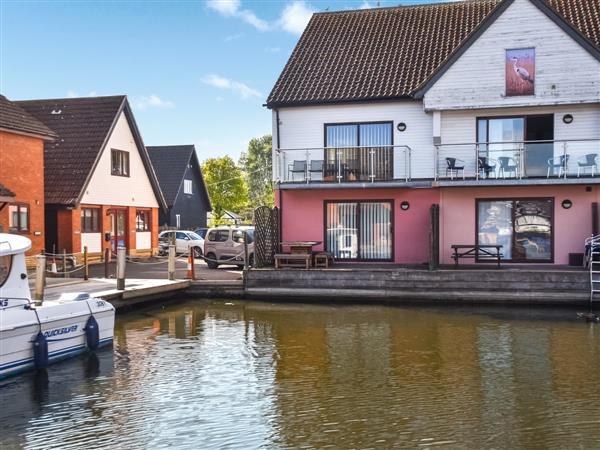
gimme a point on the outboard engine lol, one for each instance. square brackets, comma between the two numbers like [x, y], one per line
[40, 351]
[92, 333]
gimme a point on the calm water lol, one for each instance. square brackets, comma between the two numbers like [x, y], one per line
[247, 375]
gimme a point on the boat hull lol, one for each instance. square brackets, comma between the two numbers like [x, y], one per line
[62, 324]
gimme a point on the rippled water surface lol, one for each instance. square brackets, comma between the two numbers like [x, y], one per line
[210, 374]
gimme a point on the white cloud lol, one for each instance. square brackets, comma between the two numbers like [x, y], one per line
[272, 49]
[233, 37]
[233, 8]
[365, 5]
[295, 16]
[152, 101]
[72, 94]
[241, 89]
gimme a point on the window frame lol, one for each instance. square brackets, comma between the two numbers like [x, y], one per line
[551, 200]
[358, 124]
[19, 228]
[188, 183]
[8, 270]
[113, 172]
[358, 228]
[147, 224]
[98, 227]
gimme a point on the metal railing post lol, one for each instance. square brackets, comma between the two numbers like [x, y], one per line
[338, 153]
[436, 155]
[477, 168]
[565, 162]
[521, 159]
[371, 165]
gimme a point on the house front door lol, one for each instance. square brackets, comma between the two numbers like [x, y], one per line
[118, 231]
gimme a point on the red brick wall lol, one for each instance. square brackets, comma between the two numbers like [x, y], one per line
[22, 171]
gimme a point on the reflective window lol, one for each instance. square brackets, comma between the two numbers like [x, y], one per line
[119, 163]
[18, 217]
[522, 227]
[90, 222]
[5, 263]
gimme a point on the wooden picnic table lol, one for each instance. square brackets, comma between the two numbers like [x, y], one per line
[476, 251]
[303, 247]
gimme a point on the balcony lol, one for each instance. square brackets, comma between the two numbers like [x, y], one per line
[343, 165]
[541, 160]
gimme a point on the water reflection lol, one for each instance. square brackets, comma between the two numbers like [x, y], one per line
[256, 375]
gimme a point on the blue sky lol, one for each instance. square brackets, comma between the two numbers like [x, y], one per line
[195, 71]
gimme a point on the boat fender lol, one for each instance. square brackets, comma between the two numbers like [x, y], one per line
[40, 351]
[92, 333]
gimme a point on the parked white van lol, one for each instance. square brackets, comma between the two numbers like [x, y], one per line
[225, 245]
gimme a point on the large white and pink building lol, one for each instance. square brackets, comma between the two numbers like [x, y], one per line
[489, 109]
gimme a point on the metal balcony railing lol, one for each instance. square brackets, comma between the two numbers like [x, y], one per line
[338, 165]
[518, 160]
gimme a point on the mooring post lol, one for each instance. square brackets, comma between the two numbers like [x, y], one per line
[171, 262]
[121, 268]
[40, 278]
[86, 269]
[190, 264]
[246, 263]
[64, 262]
[106, 253]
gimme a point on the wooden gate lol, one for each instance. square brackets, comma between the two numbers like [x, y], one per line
[266, 235]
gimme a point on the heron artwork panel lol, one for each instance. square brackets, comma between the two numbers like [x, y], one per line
[520, 72]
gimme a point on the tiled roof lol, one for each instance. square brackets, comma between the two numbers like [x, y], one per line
[83, 125]
[387, 53]
[12, 117]
[5, 192]
[170, 163]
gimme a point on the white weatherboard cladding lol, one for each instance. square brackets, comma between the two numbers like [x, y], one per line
[93, 242]
[143, 240]
[565, 71]
[304, 127]
[107, 189]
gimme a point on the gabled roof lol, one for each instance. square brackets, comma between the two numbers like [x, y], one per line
[84, 126]
[5, 192]
[389, 53]
[15, 119]
[170, 163]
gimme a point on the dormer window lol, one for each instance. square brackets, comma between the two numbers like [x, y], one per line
[119, 163]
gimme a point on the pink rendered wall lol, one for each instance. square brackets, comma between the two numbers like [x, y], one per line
[571, 226]
[303, 216]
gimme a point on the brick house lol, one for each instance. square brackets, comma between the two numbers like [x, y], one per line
[22, 138]
[100, 189]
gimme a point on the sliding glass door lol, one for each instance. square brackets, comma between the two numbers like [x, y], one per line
[359, 230]
[523, 227]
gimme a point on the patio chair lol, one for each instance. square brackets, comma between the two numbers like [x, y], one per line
[486, 165]
[558, 162]
[453, 166]
[316, 167]
[587, 162]
[508, 165]
[298, 166]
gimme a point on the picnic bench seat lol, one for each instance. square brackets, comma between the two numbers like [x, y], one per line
[300, 260]
[323, 259]
[481, 252]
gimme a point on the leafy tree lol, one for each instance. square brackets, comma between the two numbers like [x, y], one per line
[257, 165]
[226, 186]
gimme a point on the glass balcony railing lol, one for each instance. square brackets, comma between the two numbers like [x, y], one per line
[518, 160]
[341, 165]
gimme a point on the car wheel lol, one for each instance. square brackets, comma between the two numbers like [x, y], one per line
[240, 267]
[197, 252]
[211, 261]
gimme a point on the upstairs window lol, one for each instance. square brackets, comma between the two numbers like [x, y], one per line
[90, 220]
[18, 218]
[142, 220]
[187, 187]
[119, 163]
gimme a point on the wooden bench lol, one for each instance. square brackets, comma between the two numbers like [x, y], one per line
[481, 252]
[300, 260]
[323, 259]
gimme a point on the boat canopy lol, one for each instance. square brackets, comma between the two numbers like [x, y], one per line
[12, 244]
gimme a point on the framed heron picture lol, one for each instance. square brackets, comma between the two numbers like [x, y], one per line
[520, 72]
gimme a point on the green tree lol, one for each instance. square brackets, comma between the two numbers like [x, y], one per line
[226, 186]
[257, 165]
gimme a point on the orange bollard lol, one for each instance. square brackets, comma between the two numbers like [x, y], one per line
[190, 265]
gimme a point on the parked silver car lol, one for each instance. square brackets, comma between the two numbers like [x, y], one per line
[225, 245]
[184, 241]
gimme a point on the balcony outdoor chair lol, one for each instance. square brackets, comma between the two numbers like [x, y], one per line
[351, 170]
[587, 162]
[315, 169]
[453, 166]
[508, 165]
[486, 166]
[558, 162]
[298, 166]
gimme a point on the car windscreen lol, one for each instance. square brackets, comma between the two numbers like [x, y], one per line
[194, 236]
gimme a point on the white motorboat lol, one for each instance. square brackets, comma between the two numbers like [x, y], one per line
[34, 336]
